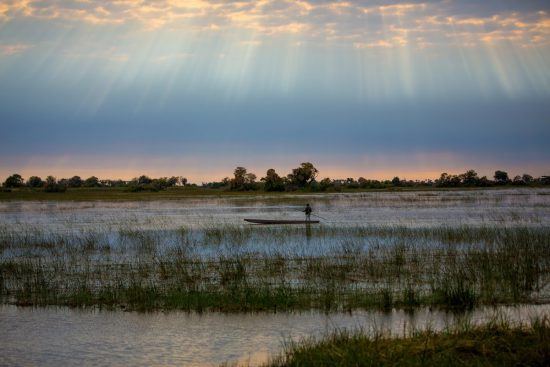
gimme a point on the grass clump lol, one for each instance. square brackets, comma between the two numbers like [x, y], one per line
[494, 344]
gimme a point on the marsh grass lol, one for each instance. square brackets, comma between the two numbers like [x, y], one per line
[497, 343]
[251, 268]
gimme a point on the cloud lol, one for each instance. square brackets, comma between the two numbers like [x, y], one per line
[377, 23]
[4, 11]
[172, 57]
[13, 49]
[110, 54]
[377, 44]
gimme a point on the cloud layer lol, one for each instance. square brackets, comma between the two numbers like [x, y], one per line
[362, 24]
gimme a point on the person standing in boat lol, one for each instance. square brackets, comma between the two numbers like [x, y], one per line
[308, 212]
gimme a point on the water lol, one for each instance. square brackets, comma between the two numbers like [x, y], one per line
[61, 336]
[412, 209]
[72, 337]
[113, 224]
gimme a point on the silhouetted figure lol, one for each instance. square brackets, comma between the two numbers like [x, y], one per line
[308, 212]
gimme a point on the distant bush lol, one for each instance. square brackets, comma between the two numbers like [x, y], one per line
[144, 187]
[52, 185]
[91, 182]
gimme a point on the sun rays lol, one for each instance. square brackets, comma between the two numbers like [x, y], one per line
[223, 74]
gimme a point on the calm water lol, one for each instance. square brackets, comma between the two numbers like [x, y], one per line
[68, 337]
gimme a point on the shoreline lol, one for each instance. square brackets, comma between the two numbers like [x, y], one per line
[181, 193]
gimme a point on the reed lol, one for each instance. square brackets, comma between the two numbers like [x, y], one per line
[238, 269]
[498, 343]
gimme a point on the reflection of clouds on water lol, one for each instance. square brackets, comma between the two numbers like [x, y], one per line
[61, 336]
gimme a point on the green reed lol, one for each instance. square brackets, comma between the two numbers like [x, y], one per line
[361, 267]
[497, 343]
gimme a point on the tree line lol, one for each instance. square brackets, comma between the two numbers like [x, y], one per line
[51, 184]
[303, 177]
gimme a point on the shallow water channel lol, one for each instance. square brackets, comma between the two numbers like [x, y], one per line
[69, 337]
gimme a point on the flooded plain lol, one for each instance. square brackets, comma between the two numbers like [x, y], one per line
[413, 209]
[115, 224]
[374, 255]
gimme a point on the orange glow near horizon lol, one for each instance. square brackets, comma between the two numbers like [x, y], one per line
[197, 172]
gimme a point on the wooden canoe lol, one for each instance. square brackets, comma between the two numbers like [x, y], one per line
[275, 221]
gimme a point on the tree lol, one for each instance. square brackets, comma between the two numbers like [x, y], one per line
[485, 182]
[396, 181]
[35, 181]
[470, 178]
[303, 175]
[144, 180]
[92, 182]
[501, 177]
[250, 181]
[518, 180]
[74, 181]
[272, 181]
[325, 184]
[51, 185]
[239, 178]
[443, 180]
[182, 181]
[528, 179]
[351, 183]
[14, 180]
[173, 181]
[159, 183]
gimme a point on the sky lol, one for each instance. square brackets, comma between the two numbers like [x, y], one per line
[195, 88]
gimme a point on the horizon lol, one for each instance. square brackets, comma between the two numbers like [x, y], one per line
[360, 88]
[283, 173]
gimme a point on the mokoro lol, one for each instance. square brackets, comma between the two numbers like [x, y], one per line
[274, 221]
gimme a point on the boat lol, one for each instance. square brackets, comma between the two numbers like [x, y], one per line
[284, 221]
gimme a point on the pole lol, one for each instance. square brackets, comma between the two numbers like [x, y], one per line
[318, 216]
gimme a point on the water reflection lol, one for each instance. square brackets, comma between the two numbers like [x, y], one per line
[61, 336]
[308, 233]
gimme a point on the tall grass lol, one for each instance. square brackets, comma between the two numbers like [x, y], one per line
[237, 268]
[495, 344]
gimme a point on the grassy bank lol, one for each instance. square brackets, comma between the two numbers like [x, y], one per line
[495, 344]
[113, 194]
[122, 194]
[227, 269]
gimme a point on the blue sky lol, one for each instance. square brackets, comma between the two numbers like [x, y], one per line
[196, 87]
